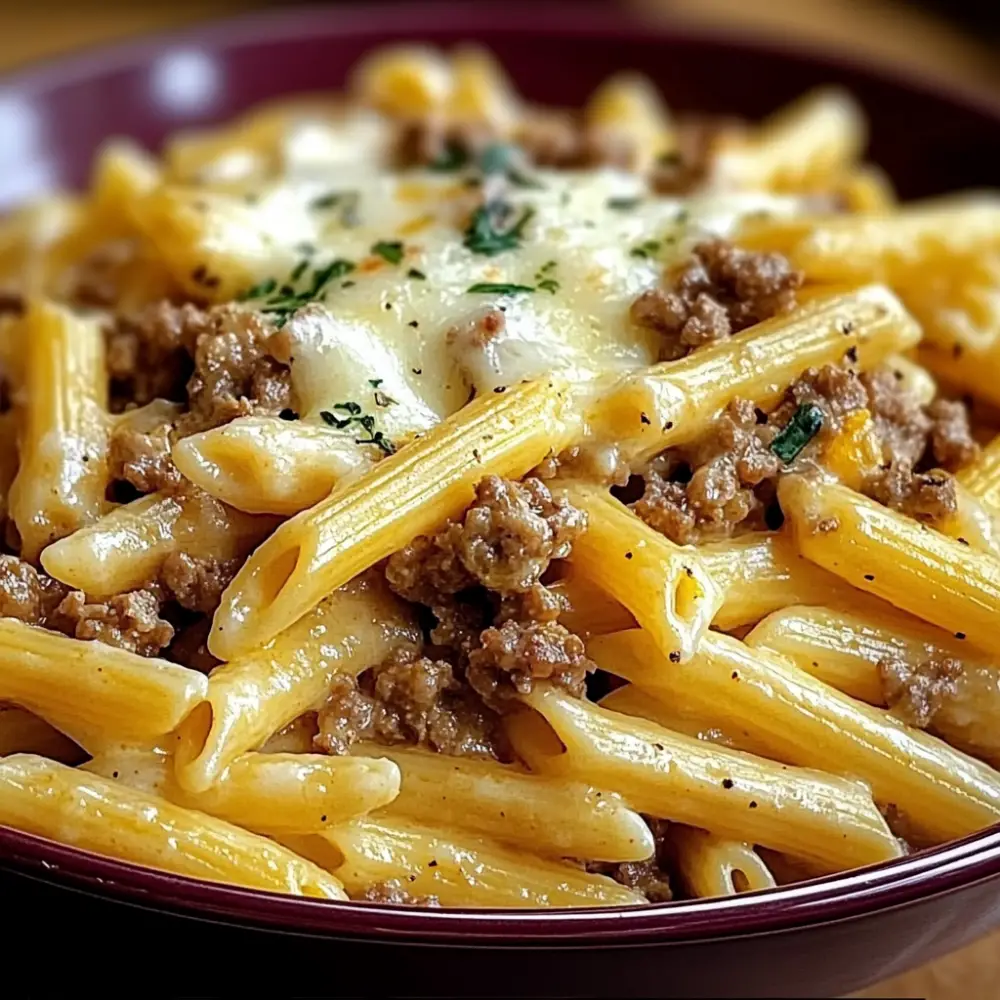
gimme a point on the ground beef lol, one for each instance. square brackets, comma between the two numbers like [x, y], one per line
[512, 657]
[149, 353]
[595, 463]
[391, 891]
[926, 496]
[97, 282]
[952, 442]
[540, 604]
[726, 480]
[129, 621]
[190, 647]
[409, 699]
[915, 693]
[26, 593]
[234, 372]
[718, 292]
[196, 583]
[505, 543]
[650, 877]
[142, 458]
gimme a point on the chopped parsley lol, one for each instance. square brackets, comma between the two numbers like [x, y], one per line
[623, 204]
[646, 249]
[356, 417]
[484, 234]
[390, 251]
[798, 432]
[453, 157]
[281, 302]
[501, 158]
[416, 275]
[346, 201]
[544, 279]
[328, 200]
[499, 288]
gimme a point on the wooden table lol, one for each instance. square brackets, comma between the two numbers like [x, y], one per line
[881, 31]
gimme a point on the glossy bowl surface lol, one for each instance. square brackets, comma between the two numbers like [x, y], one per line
[819, 939]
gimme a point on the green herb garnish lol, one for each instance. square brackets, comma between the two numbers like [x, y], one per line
[623, 204]
[502, 158]
[798, 432]
[363, 420]
[281, 302]
[389, 250]
[544, 280]
[499, 287]
[484, 237]
[328, 200]
[416, 275]
[346, 201]
[646, 249]
[453, 157]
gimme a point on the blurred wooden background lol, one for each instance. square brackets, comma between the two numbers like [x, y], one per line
[901, 33]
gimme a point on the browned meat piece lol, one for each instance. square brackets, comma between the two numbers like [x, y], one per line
[197, 582]
[718, 292]
[129, 621]
[926, 496]
[190, 647]
[409, 699]
[595, 463]
[900, 420]
[391, 891]
[536, 605]
[142, 459]
[430, 569]
[27, 593]
[649, 877]
[952, 443]
[516, 654]
[915, 693]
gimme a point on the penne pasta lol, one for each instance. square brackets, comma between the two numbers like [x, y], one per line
[455, 868]
[264, 465]
[664, 774]
[62, 478]
[674, 402]
[125, 548]
[663, 585]
[541, 815]
[981, 477]
[274, 793]
[849, 651]
[252, 697]
[901, 560]
[802, 721]
[964, 369]
[89, 690]
[85, 810]
[712, 866]
[405, 495]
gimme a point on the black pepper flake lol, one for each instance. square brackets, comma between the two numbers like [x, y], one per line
[432, 864]
[476, 455]
[413, 323]
[962, 541]
[869, 577]
[668, 425]
[388, 306]
[675, 656]
[288, 414]
[643, 419]
[753, 803]
[847, 327]
[500, 388]
[736, 675]
[852, 354]
[956, 351]
[659, 746]
[959, 635]
[417, 371]
[322, 818]
[727, 783]
[628, 555]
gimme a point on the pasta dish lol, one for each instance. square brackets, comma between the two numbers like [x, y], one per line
[423, 496]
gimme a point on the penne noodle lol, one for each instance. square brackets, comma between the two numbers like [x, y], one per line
[894, 557]
[802, 721]
[735, 795]
[541, 815]
[85, 810]
[845, 649]
[592, 611]
[455, 868]
[89, 689]
[405, 495]
[981, 477]
[674, 402]
[800, 148]
[913, 378]
[712, 866]
[265, 465]
[965, 370]
[252, 697]
[664, 586]
[125, 549]
[22, 731]
[62, 478]
[627, 112]
[273, 793]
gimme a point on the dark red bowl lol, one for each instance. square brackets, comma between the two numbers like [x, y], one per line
[173, 935]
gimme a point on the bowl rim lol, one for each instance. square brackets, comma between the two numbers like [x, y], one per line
[859, 892]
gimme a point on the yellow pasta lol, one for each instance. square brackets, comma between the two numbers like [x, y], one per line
[405, 495]
[273, 793]
[542, 815]
[264, 465]
[456, 868]
[74, 807]
[675, 402]
[802, 721]
[62, 478]
[981, 477]
[88, 688]
[125, 548]
[663, 585]
[901, 560]
[712, 866]
[252, 697]
[735, 795]
[627, 112]
[844, 649]
[964, 369]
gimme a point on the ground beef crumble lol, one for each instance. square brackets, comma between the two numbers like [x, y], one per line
[142, 459]
[129, 621]
[720, 291]
[916, 693]
[391, 891]
[650, 877]
[196, 583]
[726, 481]
[409, 699]
[26, 593]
